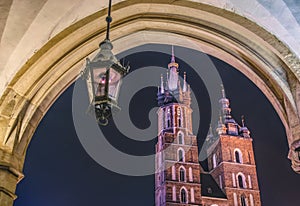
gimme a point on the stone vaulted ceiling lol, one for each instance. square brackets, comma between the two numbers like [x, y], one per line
[25, 26]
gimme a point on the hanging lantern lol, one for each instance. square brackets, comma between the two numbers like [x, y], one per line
[103, 75]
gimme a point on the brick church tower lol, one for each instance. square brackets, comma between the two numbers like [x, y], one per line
[177, 165]
[231, 178]
[231, 160]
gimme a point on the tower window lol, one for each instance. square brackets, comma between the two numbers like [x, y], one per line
[182, 174]
[180, 138]
[181, 155]
[179, 116]
[243, 200]
[238, 156]
[169, 117]
[183, 196]
[241, 181]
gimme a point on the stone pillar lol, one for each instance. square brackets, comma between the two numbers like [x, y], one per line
[9, 177]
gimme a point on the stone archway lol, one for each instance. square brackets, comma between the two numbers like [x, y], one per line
[255, 52]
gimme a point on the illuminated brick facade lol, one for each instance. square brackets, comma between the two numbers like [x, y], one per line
[180, 180]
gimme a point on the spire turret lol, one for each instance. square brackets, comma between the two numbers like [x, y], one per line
[226, 110]
[244, 130]
[162, 89]
[173, 67]
[171, 90]
[184, 89]
[226, 124]
[221, 128]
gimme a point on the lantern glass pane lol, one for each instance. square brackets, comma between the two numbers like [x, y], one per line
[114, 84]
[98, 81]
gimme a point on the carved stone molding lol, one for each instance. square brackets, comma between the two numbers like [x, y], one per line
[294, 155]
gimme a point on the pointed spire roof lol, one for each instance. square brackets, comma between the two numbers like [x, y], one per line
[243, 120]
[173, 62]
[184, 89]
[162, 89]
[223, 91]
[226, 110]
[173, 78]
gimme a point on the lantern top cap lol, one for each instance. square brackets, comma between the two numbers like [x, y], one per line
[106, 44]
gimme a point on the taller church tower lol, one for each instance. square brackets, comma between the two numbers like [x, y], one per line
[177, 165]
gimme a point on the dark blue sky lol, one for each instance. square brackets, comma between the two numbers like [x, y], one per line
[58, 171]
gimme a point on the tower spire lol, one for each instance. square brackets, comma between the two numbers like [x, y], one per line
[173, 56]
[173, 78]
[243, 120]
[223, 91]
[184, 89]
[162, 89]
[226, 110]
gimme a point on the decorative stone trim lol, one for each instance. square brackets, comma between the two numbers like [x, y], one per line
[294, 155]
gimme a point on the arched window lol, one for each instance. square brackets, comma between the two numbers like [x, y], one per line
[214, 160]
[183, 196]
[181, 155]
[179, 116]
[243, 200]
[181, 174]
[238, 156]
[180, 138]
[240, 180]
[169, 117]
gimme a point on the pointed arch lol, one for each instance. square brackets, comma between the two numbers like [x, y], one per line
[179, 116]
[180, 155]
[180, 137]
[238, 156]
[182, 174]
[243, 200]
[241, 180]
[183, 195]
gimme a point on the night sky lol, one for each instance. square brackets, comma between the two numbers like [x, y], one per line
[59, 172]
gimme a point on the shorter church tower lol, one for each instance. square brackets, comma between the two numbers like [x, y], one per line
[177, 178]
[231, 159]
